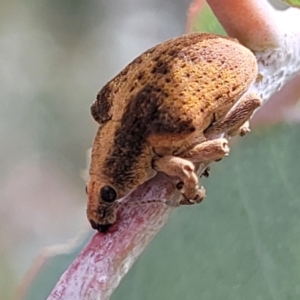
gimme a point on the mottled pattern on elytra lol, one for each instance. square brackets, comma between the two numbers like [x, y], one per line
[162, 103]
[144, 116]
[166, 98]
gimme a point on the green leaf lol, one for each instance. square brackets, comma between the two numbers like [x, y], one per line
[207, 21]
[243, 242]
[294, 3]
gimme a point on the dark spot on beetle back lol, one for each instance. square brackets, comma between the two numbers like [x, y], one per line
[101, 107]
[173, 52]
[138, 60]
[160, 67]
[140, 76]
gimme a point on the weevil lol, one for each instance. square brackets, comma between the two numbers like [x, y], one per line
[172, 107]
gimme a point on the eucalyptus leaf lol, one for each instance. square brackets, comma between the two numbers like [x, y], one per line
[243, 242]
[294, 3]
[207, 21]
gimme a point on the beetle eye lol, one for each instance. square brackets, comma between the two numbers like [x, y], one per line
[108, 194]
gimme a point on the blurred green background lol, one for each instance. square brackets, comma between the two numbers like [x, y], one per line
[243, 242]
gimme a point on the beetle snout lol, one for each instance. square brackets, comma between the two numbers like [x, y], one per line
[103, 216]
[100, 227]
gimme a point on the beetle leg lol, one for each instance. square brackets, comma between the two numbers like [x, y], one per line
[210, 150]
[243, 130]
[184, 170]
[236, 121]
